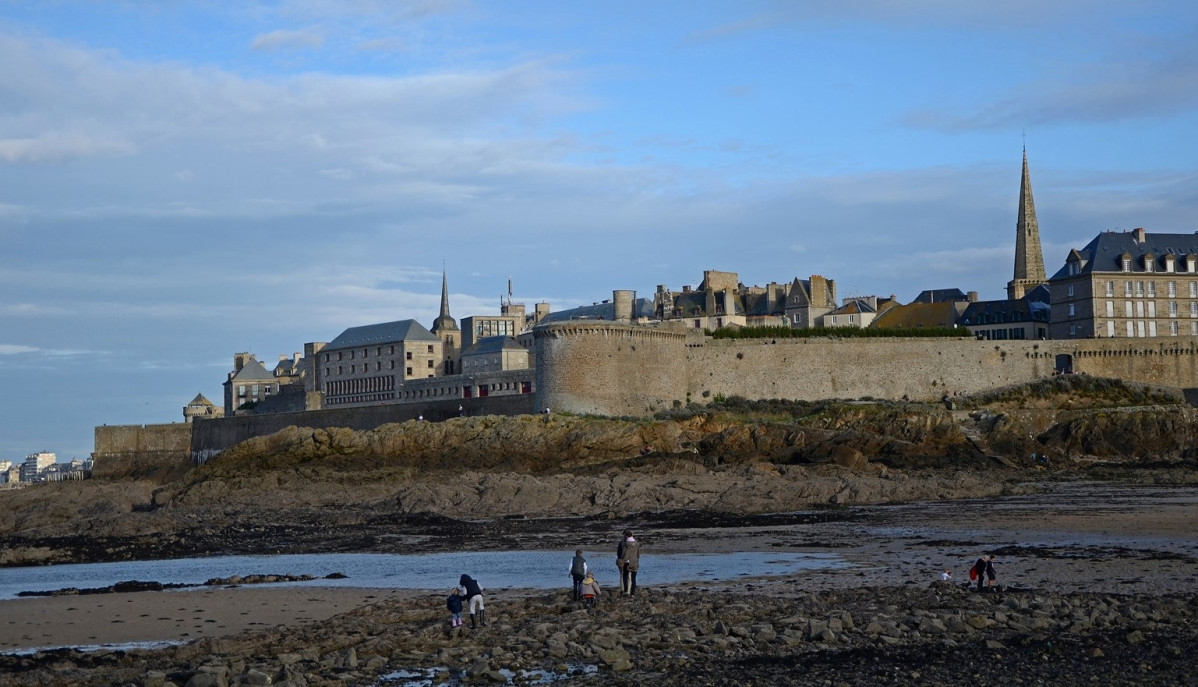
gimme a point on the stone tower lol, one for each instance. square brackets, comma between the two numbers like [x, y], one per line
[1029, 257]
[446, 329]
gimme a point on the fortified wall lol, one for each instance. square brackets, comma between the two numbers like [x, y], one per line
[609, 368]
[141, 451]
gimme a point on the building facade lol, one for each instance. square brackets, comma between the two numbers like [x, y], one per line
[1133, 284]
[370, 364]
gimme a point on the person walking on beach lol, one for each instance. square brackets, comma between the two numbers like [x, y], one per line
[979, 570]
[474, 598]
[628, 559]
[578, 571]
[989, 573]
[454, 604]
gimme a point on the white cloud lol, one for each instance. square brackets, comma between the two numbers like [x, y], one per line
[56, 146]
[13, 349]
[291, 40]
[341, 174]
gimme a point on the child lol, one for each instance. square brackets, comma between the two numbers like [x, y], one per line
[590, 590]
[454, 604]
[946, 576]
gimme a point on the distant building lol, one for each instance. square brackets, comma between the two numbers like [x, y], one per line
[1022, 318]
[855, 312]
[368, 365]
[248, 384]
[495, 354]
[35, 463]
[1029, 257]
[200, 407]
[1135, 284]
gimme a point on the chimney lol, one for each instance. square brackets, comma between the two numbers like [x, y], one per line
[1139, 232]
[972, 296]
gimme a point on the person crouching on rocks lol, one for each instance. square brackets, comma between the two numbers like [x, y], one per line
[578, 571]
[628, 559]
[454, 604]
[474, 598]
[590, 590]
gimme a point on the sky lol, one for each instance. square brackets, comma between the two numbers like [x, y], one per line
[181, 181]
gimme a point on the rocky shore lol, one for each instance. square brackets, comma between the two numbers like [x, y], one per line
[766, 632]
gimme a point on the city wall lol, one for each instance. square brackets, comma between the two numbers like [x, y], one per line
[210, 437]
[141, 451]
[609, 368]
[923, 369]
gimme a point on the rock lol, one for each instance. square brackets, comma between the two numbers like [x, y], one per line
[153, 678]
[1135, 637]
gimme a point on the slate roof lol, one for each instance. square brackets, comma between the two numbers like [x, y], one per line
[1004, 311]
[386, 332]
[598, 311]
[199, 400]
[1104, 252]
[940, 296]
[493, 344]
[252, 371]
[853, 306]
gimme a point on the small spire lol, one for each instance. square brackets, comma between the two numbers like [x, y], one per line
[445, 321]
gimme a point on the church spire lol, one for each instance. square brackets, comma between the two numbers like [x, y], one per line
[444, 321]
[1029, 257]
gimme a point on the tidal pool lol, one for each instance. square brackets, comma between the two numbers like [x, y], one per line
[440, 571]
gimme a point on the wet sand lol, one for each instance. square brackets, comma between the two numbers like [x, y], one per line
[1077, 537]
[170, 616]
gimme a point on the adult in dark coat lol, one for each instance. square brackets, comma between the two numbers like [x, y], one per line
[474, 598]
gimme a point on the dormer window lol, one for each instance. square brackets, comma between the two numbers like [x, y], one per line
[1169, 265]
[1149, 262]
[1126, 263]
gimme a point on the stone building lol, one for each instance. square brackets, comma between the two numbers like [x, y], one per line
[722, 301]
[1022, 318]
[369, 364]
[495, 354]
[1127, 284]
[854, 312]
[201, 407]
[248, 384]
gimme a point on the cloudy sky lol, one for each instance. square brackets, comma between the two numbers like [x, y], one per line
[181, 181]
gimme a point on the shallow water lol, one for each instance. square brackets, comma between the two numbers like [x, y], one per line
[440, 571]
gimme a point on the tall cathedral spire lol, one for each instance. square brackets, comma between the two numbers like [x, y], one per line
[1029, 257]
[444, 321]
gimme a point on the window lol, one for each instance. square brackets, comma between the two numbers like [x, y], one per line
[1131, 329]
[1127, 289]
[1172, 308]
[1110, 308]
[430, 363]
[1072, 311]
[1193, 309]
[1110, 329]
[1073, 330]
[390, 364]
[1110, 289]
[430, 348]
[1127, 308]
[408, 355]
[1194, 328]
[1194, 289]
[1070, 290]
[1152, 328]
[1152, 308]
[1149, 264]
[1173, 328]
[1126, 264]
[1172, 289]
[1139, 308]
[352, 355]
[409, 372]
[1152, 289]
[1140, 329]
[1139, 289]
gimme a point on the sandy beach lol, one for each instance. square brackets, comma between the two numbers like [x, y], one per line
[1099, 538]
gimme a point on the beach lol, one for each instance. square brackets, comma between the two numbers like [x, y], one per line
[1089, 549]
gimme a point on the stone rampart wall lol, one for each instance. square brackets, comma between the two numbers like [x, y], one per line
[213, 436]
[136, 451]
[609, 368]
[921, 369]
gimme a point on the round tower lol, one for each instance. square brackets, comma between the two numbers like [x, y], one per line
[622, 298]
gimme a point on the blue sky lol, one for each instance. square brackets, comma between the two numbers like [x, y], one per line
[181, 181]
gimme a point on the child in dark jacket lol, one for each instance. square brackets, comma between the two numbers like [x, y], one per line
[454, 604]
